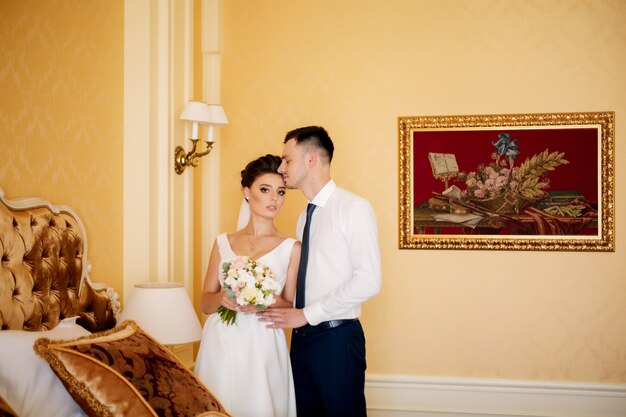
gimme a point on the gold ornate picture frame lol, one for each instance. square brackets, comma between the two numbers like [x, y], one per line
[507, 182]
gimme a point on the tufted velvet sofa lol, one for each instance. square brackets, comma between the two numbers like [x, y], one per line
[44, 270]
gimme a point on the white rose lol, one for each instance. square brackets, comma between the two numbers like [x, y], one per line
[269, 285]
[249, 293]
[260, 299]
[245, 276]
[241, 301]
[269, 300]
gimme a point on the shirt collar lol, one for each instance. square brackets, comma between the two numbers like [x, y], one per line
[323, 195]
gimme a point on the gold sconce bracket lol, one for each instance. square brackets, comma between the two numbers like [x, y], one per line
[184, 159]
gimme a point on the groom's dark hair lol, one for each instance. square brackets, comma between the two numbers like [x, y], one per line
[314, 136]
[267, 164]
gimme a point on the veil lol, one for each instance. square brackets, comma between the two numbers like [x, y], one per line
[244, 215]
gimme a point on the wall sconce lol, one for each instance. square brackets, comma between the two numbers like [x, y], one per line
[198, 112]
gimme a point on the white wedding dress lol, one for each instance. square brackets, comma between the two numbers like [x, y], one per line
[246, 365]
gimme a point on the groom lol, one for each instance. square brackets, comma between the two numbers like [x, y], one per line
[343, 271]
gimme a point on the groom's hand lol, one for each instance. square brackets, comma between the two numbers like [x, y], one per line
[280, 318]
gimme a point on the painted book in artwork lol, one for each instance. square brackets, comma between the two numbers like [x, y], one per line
[443, 163]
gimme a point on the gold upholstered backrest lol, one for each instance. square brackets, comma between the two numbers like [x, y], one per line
[44, 269]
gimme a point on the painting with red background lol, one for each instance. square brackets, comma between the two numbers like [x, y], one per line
[474, 147]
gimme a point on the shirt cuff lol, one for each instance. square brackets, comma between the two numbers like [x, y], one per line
[314, 314]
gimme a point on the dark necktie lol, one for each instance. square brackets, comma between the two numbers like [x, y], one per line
[304, 257]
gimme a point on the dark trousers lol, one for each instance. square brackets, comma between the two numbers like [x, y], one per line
[329, 372]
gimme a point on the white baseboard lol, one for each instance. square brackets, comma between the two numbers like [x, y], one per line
[408, 396]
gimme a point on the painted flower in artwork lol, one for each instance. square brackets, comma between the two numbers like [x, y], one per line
[502, 187]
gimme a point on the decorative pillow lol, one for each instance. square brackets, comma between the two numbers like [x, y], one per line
[5, 409]
[124, 371]
[27, 384]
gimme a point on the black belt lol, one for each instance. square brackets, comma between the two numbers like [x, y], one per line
[325, 325]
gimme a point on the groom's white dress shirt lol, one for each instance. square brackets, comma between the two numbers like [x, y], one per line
[344, 257]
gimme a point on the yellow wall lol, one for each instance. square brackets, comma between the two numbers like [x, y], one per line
[354, 66]
[61, 114]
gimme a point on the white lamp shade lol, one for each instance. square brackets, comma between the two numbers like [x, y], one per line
[196, 111]
[217, 116]
[163, 310]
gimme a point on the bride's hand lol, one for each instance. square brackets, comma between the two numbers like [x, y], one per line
[229, 302]
[250, 309]
[278, 302]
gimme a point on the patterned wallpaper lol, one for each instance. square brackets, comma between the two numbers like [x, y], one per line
[61, 114]
[355, 66]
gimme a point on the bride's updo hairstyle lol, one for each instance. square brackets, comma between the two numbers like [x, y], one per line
[267, 164]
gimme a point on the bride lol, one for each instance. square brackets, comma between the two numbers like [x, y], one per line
[246, 365]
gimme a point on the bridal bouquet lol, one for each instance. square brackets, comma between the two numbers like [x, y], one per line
[249, 283]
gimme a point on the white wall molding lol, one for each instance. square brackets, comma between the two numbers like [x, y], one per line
[158, 80]
[181, 64]
[408, 396]
[137, 145]
[211, 93]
